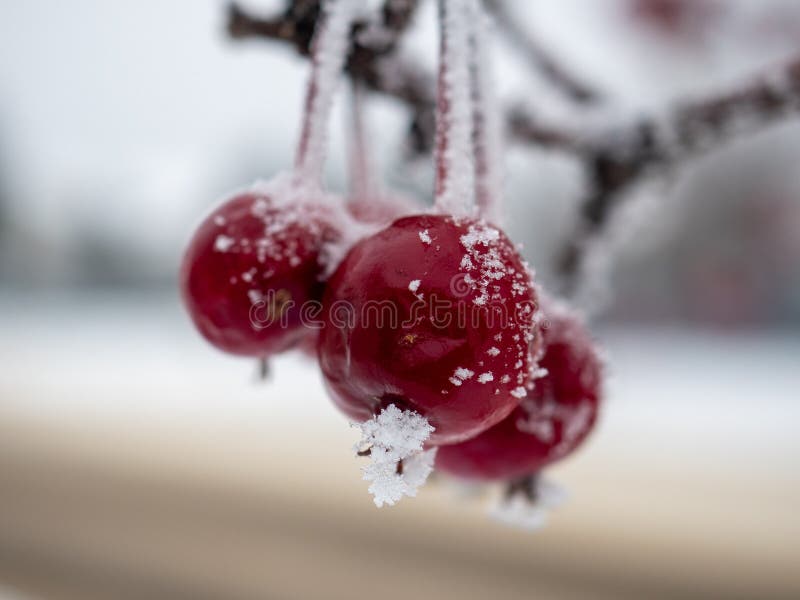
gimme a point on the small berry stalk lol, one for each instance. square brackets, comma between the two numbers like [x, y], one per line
[264, 252]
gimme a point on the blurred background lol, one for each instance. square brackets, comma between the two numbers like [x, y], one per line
[137, 462]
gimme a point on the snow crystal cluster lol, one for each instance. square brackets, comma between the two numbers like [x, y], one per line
[398, 463]
[480, 242]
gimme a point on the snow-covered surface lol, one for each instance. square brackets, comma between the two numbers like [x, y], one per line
[676, 397]
[691, 476]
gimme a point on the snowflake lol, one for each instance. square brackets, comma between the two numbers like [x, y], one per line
[519, 392]
[394, 437]
[463, 373]
[223, 243]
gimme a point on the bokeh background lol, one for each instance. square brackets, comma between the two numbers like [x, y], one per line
[137, 462]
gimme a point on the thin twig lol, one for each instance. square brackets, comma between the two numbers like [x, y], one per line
[526, 487]
[372, 61]
[615, 163]
[655, 146]
[539, 58]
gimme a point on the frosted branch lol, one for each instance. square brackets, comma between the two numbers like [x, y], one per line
[363, 186]
[616, 162]
[372, 59]
[487, 122]
[539, 58]
[656, 145]
[455, 176]
[329, 53]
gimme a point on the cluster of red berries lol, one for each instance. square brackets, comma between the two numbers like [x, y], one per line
[432, 334]
[506, 391]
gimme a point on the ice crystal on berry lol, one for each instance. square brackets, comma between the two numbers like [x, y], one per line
[223, 243]
[398, 465]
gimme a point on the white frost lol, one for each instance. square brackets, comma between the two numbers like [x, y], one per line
[456, 189]
[463, 373]
[488, 127]
[519, 392]
[414, 285]
[425, 237]
[330, 48]
[223, 243]
[394, 436]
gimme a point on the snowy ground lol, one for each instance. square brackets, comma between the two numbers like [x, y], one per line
[691, 480]
[685, 394]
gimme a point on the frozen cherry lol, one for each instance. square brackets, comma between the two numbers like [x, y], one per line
[551, 422]
[436, 315]
[250, 267]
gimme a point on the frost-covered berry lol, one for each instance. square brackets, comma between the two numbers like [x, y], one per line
[551, 422]
[249, 268]
[435, 315]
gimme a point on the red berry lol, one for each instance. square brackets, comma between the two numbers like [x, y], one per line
[434, 314]
[550, 423]
[250, 267]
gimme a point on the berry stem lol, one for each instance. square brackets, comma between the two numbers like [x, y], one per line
[455, 189]
[264, 370]
[329, 52]
[487, 127]
[362, 181]
[524, 486]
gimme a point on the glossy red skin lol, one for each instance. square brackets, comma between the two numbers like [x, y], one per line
[562, 408]
[219, 288]
[410, 364]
